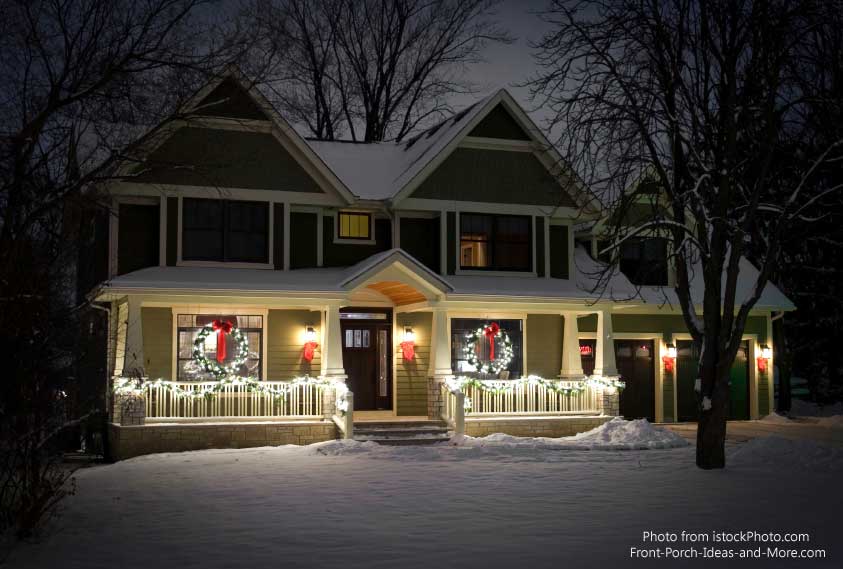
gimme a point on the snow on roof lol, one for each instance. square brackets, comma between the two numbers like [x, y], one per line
[377, 171]
[328, 281]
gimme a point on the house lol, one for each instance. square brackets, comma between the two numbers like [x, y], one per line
[263, 288]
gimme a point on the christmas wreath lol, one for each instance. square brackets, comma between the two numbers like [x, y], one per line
[217, 367]
[493, 334]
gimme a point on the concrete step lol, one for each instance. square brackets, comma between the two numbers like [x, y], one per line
[409, 442]
[402, 433]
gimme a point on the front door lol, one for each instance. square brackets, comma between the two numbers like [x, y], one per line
[687, 365]
[366, 356]
[635, 364]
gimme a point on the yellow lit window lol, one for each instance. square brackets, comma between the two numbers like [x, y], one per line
[354, 225]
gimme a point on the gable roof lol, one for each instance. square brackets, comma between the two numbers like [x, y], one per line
[383, 171]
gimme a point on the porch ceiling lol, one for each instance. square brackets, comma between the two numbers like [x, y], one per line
[399, 293]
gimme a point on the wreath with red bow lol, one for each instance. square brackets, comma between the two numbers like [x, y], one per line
[499, 358]
[217, 367]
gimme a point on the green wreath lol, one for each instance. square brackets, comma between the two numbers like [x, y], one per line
[215, 368]
[485, 333]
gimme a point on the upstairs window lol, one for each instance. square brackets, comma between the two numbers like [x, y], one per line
[644, 261]
[496, 242]
[354, 225]
[225, 231]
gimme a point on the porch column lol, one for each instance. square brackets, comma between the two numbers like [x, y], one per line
[440, 345]
[332, 350]
[133, 362]
[571, 362]
[604, 357]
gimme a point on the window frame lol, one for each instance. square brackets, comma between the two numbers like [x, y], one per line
[268, 264]
[496, 270]
[187, 311]
[371, 240]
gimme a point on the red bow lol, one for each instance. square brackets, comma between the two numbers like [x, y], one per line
[222, 328]
[309, 349]
[491, 332]
[408, 350]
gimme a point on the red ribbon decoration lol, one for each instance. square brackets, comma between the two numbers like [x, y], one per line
[222, 328]
[491, 332]
[408, 350]
[668, 363]
[309, 348]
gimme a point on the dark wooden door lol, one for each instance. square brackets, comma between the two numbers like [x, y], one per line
[366, 356]
[137, 237]
[687, 364]
[635, 360]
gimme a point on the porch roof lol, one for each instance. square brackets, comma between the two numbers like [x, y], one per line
[335, 283]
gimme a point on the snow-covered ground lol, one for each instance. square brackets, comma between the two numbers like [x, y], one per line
[490, 502]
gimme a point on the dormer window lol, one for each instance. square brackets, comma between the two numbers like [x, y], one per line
[495, 242]
[225, 231]
[354, 225]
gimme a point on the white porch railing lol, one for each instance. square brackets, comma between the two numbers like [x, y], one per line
[453, 408]
[187, 400]
[526, 397]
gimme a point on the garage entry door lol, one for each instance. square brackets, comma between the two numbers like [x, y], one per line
[686, 374]
[635, 360]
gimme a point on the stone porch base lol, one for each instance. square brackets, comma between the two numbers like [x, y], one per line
[552, 426]
[135, 440]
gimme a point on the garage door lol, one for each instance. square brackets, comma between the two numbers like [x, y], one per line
[687, 359]
[635, 360]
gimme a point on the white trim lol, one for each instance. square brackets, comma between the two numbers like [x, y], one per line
[425, 204]
[771, 383]
[488, 143]
[658, 369]
[177, 309]
[213, 192]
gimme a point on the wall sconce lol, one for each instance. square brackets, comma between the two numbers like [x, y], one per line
[669, 358]
[310, 343]
[765, 356]
[408, 344]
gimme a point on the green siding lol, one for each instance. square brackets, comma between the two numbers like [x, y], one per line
[284, 344]
[559, 251]
[172, 231]
[345, 255]
[540, 245]
[278, 236]
[668, 412]
[230, 100]
[225, 158]
[499, 124]
[420, 238]
[303, 243]
[411, 377]
[763, 379]
[544, 344]
[157, 332]
[498, 176]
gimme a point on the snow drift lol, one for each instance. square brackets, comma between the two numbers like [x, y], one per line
[786, 454]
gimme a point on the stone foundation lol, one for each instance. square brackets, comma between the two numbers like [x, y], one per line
[611, 402]
[434, 398]
[532, 426]
[129, 410]
[128, 441]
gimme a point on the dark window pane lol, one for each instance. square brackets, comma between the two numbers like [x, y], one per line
[248, 232]
[497, 242]
[644, 261]
[202, 224]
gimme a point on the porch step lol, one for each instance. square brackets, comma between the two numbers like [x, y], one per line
[402, 433]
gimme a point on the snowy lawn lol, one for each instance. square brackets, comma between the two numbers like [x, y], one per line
[492, 502]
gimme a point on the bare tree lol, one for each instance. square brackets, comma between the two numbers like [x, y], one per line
[78, 81]
[373, 69]
[701, 98]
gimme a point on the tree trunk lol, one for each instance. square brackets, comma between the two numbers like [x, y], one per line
[784, 364]
[711, 428]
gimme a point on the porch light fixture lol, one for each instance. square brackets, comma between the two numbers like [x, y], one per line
[765, 356]
[669, 358]
[408, 345]
[310, 343]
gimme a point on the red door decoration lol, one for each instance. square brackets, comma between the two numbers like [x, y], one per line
[762, 363]
[309, 349]
[408, 350]
[668, 363]
[221, 327]
[491, 332]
